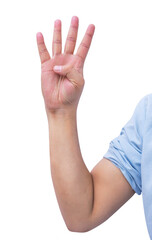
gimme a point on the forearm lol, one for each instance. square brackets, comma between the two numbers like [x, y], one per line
[71, 179]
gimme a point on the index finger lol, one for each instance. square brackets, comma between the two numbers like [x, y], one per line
[86, 42]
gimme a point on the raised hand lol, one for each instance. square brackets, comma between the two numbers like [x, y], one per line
[62, 78]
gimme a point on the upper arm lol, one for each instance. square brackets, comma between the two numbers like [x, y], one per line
[111, 191]
[118, 175]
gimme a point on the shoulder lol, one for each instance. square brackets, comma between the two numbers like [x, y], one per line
[146, 103]
[139, 116]
[143, 105]
[143, 114]
[149, 99]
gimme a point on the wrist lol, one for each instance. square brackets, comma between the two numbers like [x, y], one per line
[61, 114]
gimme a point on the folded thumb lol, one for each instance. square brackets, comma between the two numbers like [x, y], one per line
[62, 69]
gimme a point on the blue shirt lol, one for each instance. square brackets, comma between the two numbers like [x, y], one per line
[131, 152]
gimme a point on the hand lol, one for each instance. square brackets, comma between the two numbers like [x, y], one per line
[62, 75]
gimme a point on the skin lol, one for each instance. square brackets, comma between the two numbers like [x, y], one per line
[86, 199]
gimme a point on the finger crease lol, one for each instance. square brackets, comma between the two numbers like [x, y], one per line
[80, 57]
[84, 45]
[57, 41]
[43, 50]
[41, 44]
[57, 30]
[74, 27]
[68, 52]
[71, 39]
[88, 34]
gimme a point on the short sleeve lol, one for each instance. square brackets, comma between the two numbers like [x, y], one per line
[125, 150]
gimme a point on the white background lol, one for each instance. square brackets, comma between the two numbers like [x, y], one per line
[118, 73]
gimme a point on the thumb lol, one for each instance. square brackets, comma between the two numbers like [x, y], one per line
[62, 69]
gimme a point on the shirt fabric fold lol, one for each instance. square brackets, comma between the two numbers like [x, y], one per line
[131, 152]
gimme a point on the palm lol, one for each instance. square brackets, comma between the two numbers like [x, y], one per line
[57, 89]
[64, 87]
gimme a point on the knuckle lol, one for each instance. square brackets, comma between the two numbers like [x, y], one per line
[84, 45]
[74, 27]
[41, 44]
[57, 30]
[72, 39]
[43, 50]
[82, 82]
[57, 41]
[80, 57]
[89, 35]
[68, 51]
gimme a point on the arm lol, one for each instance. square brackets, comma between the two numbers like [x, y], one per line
[85, 199]
[72, 181]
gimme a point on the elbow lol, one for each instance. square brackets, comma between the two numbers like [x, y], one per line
[79, 228]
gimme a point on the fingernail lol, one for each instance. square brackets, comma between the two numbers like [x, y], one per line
[75, 21]
[39, 35]
[57, 68]
[57, 23]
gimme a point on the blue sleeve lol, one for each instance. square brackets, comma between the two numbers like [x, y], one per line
[125, 151]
